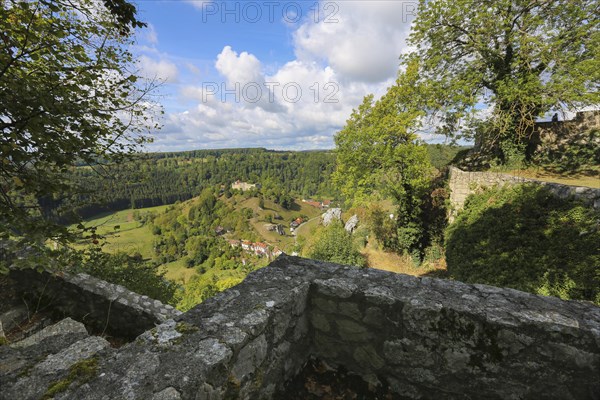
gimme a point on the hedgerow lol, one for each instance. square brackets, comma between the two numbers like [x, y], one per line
[525, 238]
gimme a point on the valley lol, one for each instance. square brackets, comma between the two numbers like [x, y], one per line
[222, 227]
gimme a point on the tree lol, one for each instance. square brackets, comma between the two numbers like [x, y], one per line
[521, 58]
[379, 155]
[69, 94]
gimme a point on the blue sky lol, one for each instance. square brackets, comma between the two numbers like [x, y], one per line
[281, 75]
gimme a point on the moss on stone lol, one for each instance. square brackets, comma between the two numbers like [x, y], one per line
[57, 387]
[185, 328]
[232, 381]
[80, 372]
[259, 376]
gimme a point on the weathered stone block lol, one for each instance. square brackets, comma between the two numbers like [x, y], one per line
[326, 305]
[436, 339]
[374, 316]
[350, 310]
[319, 322]
[250, 358]
[367, 358]
[336, 287]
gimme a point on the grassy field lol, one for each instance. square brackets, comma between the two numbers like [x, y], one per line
[130, 236]
[286, 242]
[307, 228]
[176, 271]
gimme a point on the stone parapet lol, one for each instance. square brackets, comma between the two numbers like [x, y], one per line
[104, 306]
[463, 183]
[426, 338]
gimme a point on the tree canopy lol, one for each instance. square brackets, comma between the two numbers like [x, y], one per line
[379, 154]
[69, 93]
[521, 58]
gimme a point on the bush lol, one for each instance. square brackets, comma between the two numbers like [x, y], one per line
[131, 272]
[525, 238]
[336, 245]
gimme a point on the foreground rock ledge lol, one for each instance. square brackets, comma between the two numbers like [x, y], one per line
[427, 338]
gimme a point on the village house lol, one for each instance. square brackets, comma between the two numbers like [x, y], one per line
[318, 204]
[296, 223]
[260, 249]
[313, 203]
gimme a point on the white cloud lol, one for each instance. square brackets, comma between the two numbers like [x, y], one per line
[243, 68]
[150, 35]
[243, 74]
[192, 68]
[199, 4]
[161, 69]
[364, 43]
[307, 123]
[335, 66]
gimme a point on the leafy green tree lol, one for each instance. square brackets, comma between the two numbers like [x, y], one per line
[69, 94]
[200, 288]
[379, 155]
[522, 58]
[334, 244]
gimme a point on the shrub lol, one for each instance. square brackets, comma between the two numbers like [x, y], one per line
[131, 272]
[336, 245]
[526, 238]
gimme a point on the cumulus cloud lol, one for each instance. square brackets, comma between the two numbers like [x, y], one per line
[238, 68]
[349, 51]
[161, 69]
[244, 76]
[288, 120]
[361, 40]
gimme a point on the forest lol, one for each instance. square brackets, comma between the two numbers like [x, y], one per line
[154, 179]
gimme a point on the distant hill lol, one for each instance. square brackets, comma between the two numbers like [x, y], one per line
[154, 179]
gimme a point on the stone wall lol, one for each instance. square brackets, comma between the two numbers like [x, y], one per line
[552, 138]
[426, 338]
[463, 183]
[97, 303]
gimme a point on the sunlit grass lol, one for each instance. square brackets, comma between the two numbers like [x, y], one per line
[121, 233]
[589, 178]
